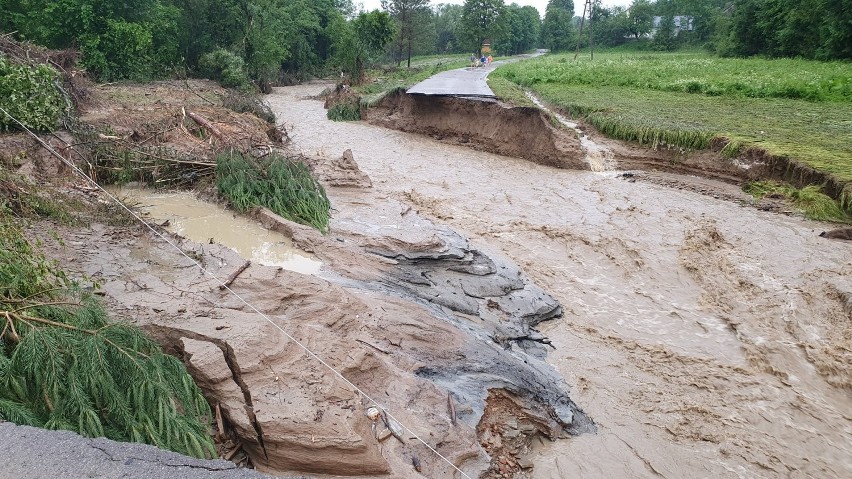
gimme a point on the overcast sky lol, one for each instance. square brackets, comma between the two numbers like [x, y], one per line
[539, 4]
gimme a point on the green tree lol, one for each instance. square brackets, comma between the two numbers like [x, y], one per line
[481, 20]
[406, 12]
[521, 32]
[789, 28]
[641, 18]
[557, 31]
[117, 37]
[362, 40]
[610, 26]
[665, 38]
[447, 25]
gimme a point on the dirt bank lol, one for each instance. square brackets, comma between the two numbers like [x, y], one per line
[706, 339]
[528, 133]
[519, 132]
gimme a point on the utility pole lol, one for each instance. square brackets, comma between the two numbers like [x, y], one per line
[586, 8]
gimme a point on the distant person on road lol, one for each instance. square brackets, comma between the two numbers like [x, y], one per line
[483, 60]
[472, 60]
[490, 59]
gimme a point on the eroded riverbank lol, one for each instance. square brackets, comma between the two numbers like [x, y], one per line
[705, 338]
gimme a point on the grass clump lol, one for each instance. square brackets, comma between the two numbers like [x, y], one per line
[810, 200]
[281, 184]
[348, 110]
[65, 365]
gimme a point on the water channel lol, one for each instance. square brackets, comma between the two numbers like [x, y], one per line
[705, 338]
[204, 222]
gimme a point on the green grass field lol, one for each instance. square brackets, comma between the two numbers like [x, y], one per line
[796, 108]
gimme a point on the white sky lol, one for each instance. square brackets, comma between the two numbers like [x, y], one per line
[539, 4]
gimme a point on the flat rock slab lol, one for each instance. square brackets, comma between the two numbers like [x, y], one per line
[38, 453]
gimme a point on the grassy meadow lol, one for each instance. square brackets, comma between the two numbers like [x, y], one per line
[789, 107]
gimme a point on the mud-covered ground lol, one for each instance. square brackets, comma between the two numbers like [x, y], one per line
[706, 338]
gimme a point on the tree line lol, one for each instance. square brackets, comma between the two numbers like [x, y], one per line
[814, 29]
[282, 41]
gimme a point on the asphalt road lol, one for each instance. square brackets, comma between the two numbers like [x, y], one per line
[468, 82]
[33, 453]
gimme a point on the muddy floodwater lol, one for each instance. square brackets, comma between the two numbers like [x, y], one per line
[204, 222]
[706, 339]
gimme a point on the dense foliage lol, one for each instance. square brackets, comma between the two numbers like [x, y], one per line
[819, 29]
[481, 20]
[281, 184]
[280, 41]
[31, 94]
[361, 41]
[65, 365]
[557, 31]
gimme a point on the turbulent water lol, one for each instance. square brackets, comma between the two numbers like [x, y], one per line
[706, 339]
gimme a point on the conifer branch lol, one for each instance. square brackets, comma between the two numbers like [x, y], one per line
[53, 303]
[27, 319]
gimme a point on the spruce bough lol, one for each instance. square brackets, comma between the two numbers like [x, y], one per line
[65, 365]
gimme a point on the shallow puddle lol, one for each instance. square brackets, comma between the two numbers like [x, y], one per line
[204, 222]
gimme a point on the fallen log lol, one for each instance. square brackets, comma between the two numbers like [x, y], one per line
[207, 125]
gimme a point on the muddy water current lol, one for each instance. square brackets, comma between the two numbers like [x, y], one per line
[204, 222]
[706, 339]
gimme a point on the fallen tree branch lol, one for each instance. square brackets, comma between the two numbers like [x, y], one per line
[234, 275]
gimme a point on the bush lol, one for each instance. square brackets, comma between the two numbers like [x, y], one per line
[226, 68]
[345, 111]
[31, 94]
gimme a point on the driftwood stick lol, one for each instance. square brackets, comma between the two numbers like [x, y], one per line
[452, 409]
[230, 455]
[220, 426]
[235, 274]
[207, 125]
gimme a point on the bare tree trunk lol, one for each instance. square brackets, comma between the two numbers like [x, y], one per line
[409, 49]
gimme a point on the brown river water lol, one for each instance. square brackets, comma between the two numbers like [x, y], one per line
[200, 221]
[706, 339]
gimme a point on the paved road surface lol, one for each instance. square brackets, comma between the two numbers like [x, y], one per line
[464, 81]
[33, 453]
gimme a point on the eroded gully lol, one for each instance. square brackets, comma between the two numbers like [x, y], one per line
[704, 338]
